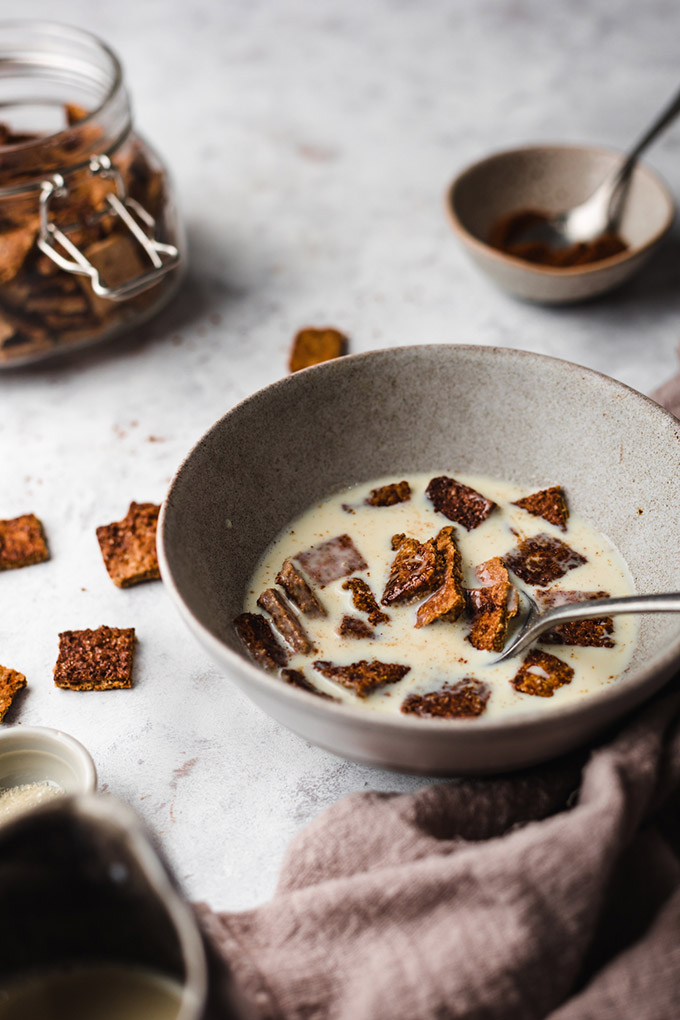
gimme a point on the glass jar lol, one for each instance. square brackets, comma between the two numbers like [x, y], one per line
[90, 241]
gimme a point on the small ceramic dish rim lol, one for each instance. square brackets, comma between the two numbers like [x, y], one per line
[44, 740]
[556, 271]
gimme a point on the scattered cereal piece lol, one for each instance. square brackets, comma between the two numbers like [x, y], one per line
[389, 495]
[363, 677]
[542, 559]
[11, 683]
[550, 504]
[459, 502]
[492, 606]
[311, 346]
[75, 113]
[413, 573]
[364, 600]
[298, 591]
[22, 542]
[286, 621]
[541, 674]
[95, 660]
[590, 633]
[129, 546]
[258, 638]
[330, 560]
[353, 627]
[448, 601]
[465, 699]
[296, 678]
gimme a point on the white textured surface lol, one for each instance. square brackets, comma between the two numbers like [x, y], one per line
[311, 144]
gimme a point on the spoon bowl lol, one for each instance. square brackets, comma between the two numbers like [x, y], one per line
[532, 622]
[601, 211]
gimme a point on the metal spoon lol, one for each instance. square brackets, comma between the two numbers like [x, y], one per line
[534, 622]
[600, 213]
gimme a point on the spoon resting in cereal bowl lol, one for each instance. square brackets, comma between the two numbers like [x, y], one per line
[349, 544]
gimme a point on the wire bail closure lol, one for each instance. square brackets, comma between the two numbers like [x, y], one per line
[140, 223]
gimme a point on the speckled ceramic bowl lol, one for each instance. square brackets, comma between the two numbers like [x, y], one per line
[552, 178]
[509, 414]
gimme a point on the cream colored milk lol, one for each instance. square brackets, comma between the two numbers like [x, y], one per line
[440, 652]
[92, 993]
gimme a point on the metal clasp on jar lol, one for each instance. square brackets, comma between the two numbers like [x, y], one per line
[140, 223]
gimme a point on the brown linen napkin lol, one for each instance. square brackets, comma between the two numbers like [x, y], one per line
[551, 894]
[487, 898]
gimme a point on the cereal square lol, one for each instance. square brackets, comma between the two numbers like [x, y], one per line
[541, 674]
[542, 559]
[312, 345]
[260, 641]
[389, 495]
[22, 542]
[327, 561]
[129, 546]
[95, 660]
[11, 683]
[459, 502]
[362, 678]
[413, 573]
[465, 699]
[550, 504]
[595, 633]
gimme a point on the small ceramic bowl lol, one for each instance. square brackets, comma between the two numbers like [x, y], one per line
[551, 178]
[508, 414]
[35, 754]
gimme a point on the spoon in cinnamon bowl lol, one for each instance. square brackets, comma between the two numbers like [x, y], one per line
[599, 215]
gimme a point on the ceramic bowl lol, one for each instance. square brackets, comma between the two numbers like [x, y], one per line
[34, 754]
[552, 178]
[522, 417]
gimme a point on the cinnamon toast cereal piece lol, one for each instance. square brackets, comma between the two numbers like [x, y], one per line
[298, 591]
[117, 258]
[413, 573]
[364, 600]
[550, 504]
[286, 621]
[593, 633]
[448, 600]
[311, 346]
[327, 561]
[541, 674]
[353, 627]
[95, 660]
[465, 699]
[492, 606]
[75, 113]
[362, 678]
[11, 683]
[129, 546]
[542, 559]
[259, 640]
[389, 495]
[22, 542]
[296, 678]
[459, 502]
[15, 244]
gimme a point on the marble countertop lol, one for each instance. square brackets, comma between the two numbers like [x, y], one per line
[311, 145]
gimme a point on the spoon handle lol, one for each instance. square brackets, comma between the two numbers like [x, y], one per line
[668, 114]
[613, 186]
[667, 603]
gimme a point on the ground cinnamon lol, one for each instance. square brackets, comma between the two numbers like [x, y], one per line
[507, 232]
